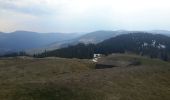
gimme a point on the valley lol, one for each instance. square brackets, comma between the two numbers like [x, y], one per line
[34, 42]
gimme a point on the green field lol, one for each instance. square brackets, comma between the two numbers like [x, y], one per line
[75, 79]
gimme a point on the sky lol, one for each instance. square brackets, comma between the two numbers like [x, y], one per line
[84, 15]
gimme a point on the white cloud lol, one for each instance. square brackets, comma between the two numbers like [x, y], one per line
[84, 15]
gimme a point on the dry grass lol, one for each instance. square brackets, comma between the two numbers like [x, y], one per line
[74, 79]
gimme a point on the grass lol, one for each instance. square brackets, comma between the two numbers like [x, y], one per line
[53, 92]
[74, 79]
[144, 60]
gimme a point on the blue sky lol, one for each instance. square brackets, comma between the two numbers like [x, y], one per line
[84, 15]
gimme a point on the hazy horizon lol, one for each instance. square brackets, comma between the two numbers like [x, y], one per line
[158, 31]
[70, 16]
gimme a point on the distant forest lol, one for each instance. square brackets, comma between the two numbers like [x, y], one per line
[144, 44]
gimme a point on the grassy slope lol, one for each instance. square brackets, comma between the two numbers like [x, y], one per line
[73, 79]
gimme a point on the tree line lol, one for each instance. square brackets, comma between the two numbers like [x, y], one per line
[133, 43]
[143, 44]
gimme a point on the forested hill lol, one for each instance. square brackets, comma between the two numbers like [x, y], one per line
[153, 45]
[82, 51]
[140, 43]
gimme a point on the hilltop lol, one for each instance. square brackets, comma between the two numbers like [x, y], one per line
[75, 79]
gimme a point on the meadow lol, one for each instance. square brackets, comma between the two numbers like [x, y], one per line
[75, 79]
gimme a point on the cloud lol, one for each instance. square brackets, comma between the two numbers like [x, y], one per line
[34, 7]
[84, 15]
[82, 6]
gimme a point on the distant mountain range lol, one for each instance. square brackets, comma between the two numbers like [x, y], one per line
[93, 37]
[165, 32]
[141, 43]
[24, 40]
[33, 42]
